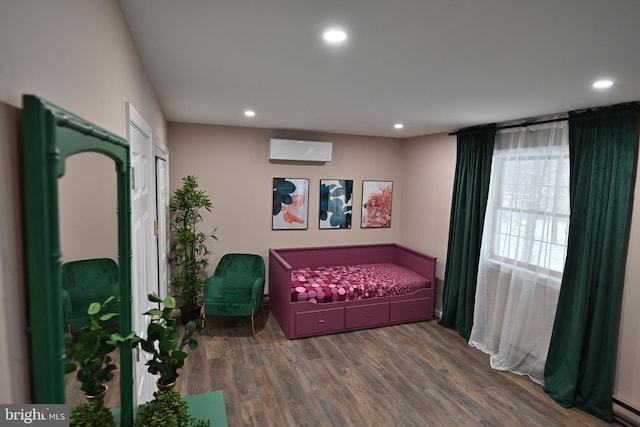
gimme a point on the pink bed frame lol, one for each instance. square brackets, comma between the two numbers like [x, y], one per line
[303, 319]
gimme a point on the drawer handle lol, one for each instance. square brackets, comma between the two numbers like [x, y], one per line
[369, 315]
[321, 321]
[411, 310]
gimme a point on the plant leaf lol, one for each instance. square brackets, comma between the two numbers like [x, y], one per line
[154, 297]
[94, 308]
[179, 355]
[191, 326]
[108, 316]
[154, 312]
[111, 300]
[170, 302]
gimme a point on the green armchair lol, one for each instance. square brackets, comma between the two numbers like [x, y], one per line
[86, 281]
[236, 287]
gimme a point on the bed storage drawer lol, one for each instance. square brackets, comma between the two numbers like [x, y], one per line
[407, 311]
[319, 321]
[364, 316]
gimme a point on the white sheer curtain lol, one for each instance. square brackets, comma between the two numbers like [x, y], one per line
[523, 248]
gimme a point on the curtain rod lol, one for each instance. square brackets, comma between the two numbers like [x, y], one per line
[565, 116]
[521, 125]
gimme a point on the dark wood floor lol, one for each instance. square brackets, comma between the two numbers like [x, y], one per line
[418, 374]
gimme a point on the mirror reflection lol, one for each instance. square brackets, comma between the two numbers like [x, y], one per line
[89, 245]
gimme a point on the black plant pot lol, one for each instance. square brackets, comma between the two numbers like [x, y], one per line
[187, 314]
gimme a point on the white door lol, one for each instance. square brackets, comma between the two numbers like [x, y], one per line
[162, 219]
[143, 264]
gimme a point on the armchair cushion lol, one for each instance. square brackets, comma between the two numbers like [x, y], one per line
[236, 287]
[84, 282]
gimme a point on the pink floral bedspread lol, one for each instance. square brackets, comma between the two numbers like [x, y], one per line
[353, 282]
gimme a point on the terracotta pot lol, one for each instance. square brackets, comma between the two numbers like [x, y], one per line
[99, 396]
[163, 387]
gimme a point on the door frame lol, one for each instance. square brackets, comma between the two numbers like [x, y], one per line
[143, 381]
[161, 153]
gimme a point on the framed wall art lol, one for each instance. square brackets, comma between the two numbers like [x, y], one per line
[376, 204]
[336, 202]
[290, 204]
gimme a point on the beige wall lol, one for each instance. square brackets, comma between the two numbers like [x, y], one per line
[14, 357]
[79, 55]
[233, 167]
[429, 164]
[626, 385]
[87, 205]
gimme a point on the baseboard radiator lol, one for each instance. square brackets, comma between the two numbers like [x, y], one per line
[625, 414]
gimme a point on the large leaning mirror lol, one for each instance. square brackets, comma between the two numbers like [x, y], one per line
[57, 147]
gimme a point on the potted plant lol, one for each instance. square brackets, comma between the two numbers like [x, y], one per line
[167, 409]
[188, 250]
[90, 354]
[91, 414]
[165, 343]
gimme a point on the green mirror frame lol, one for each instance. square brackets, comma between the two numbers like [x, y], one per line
[50, 135]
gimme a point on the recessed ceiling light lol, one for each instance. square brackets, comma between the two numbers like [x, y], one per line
[249, 113]
[602, 84]
[335, 36]
[398, 126]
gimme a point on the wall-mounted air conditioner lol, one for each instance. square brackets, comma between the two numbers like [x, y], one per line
[294, 149]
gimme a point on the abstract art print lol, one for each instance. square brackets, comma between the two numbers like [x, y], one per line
[336, 201]
[290, 203]
[376, 204]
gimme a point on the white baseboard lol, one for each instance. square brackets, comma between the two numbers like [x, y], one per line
[437, 313]
[626, 416]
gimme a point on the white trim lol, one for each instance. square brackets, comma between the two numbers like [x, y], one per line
[162, 153]
[624, 416]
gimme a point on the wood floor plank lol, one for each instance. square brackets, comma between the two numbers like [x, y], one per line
[342, 402]
[271, 400]
[418, 374]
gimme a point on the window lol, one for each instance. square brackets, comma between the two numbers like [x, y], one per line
[531, 202]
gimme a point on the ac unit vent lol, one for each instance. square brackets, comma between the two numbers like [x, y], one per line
[294, 149]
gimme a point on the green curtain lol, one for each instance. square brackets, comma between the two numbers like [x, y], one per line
[470, 191]
[579, 367]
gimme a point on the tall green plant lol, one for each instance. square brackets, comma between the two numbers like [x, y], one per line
[189, 250]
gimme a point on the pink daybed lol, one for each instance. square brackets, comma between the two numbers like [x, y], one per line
[322, 290]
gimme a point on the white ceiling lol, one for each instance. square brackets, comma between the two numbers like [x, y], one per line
[434, 65]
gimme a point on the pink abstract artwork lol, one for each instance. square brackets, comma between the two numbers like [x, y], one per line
[376, 204]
